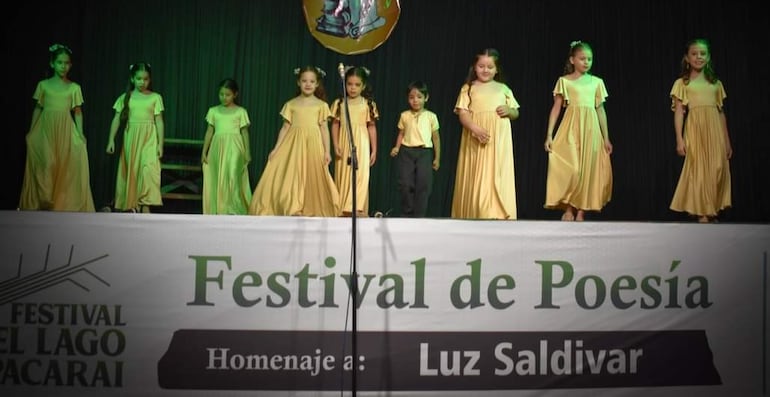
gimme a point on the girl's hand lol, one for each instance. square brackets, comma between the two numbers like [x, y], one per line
[272, 153]
[729, 150]
[680, 149]
[248, 158]
[372, 158]
[204, 159]
[548, 143]
[503, 111]
[481, 135]
[608, 146]
[394, 152]
[111, 147]
[160, 151]
[435, 165]
[327, 158]
[338, 151]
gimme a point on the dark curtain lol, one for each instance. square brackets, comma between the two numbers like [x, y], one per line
[193, 44]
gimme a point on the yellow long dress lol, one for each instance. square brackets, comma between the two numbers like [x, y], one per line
[579, 168]
[485, 186]
[138, 180]
[226, 186]
[359, 118]
[56, 174]
[296, 181]
[704, 186]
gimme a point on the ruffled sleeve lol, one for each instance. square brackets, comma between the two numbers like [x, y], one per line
[561, 89]
[463, 100]
[335, 109]
[374, 115]
[77, 95]
[118, 105]
[510, 100]
[601, 93]
[324, 113]
[39, 95]
[243, 117]
[210, 115]
[286, 111]
[158, 104]
[678, 91]
[721, 95]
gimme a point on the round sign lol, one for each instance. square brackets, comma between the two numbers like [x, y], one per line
[351, 26]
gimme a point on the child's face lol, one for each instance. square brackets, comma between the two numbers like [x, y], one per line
[485, 68]
[354, 86]
[141, 80]
[582, 60]
[416, 99]
[62, 64]
[226, 96]
[308, 82]
[698, 56]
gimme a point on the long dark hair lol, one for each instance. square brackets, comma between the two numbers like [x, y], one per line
[231, 85]
[54, 51]
[132, 71]
[499, 76]
[574, 48]
[363, 74]
[708, 69]
[320, 91]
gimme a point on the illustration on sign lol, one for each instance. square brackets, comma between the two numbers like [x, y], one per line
[351, 26]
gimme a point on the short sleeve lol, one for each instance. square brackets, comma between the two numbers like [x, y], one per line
[324, 113]
[286, 112]
[561, 89]
[601, 93]
[335, 109]
[159, 105]
[401, 123]
[433, 122]
[39, 95]
[374, 115]
[118, 105]
[678, 91]
[210, 114]
[510, 100]
[721, 94]
[77, 95]
[463, 100]
[243, 115]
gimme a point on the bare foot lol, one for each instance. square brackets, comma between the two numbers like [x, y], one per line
[580, 216]
[568, 215]
[703, 219]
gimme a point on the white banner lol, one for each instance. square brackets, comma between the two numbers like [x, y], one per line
[173, 305]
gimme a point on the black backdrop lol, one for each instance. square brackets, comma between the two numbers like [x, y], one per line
[193, 44]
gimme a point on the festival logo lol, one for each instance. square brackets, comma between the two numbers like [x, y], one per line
[74, 274]
[351, 26]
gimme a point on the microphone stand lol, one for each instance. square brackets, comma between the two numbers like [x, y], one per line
[353, 163]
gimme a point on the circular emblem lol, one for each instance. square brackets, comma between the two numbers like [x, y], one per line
[351, 26]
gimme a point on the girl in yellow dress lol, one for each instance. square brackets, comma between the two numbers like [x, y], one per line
[296, 180]
[138, 181]
[579, 168]
[226, 156]
[56, 174]
[704, 184]
[485, 186]
[363, 116]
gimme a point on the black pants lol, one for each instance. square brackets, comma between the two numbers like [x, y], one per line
[415, 179]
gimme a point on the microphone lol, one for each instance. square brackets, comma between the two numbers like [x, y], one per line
[341, 69]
